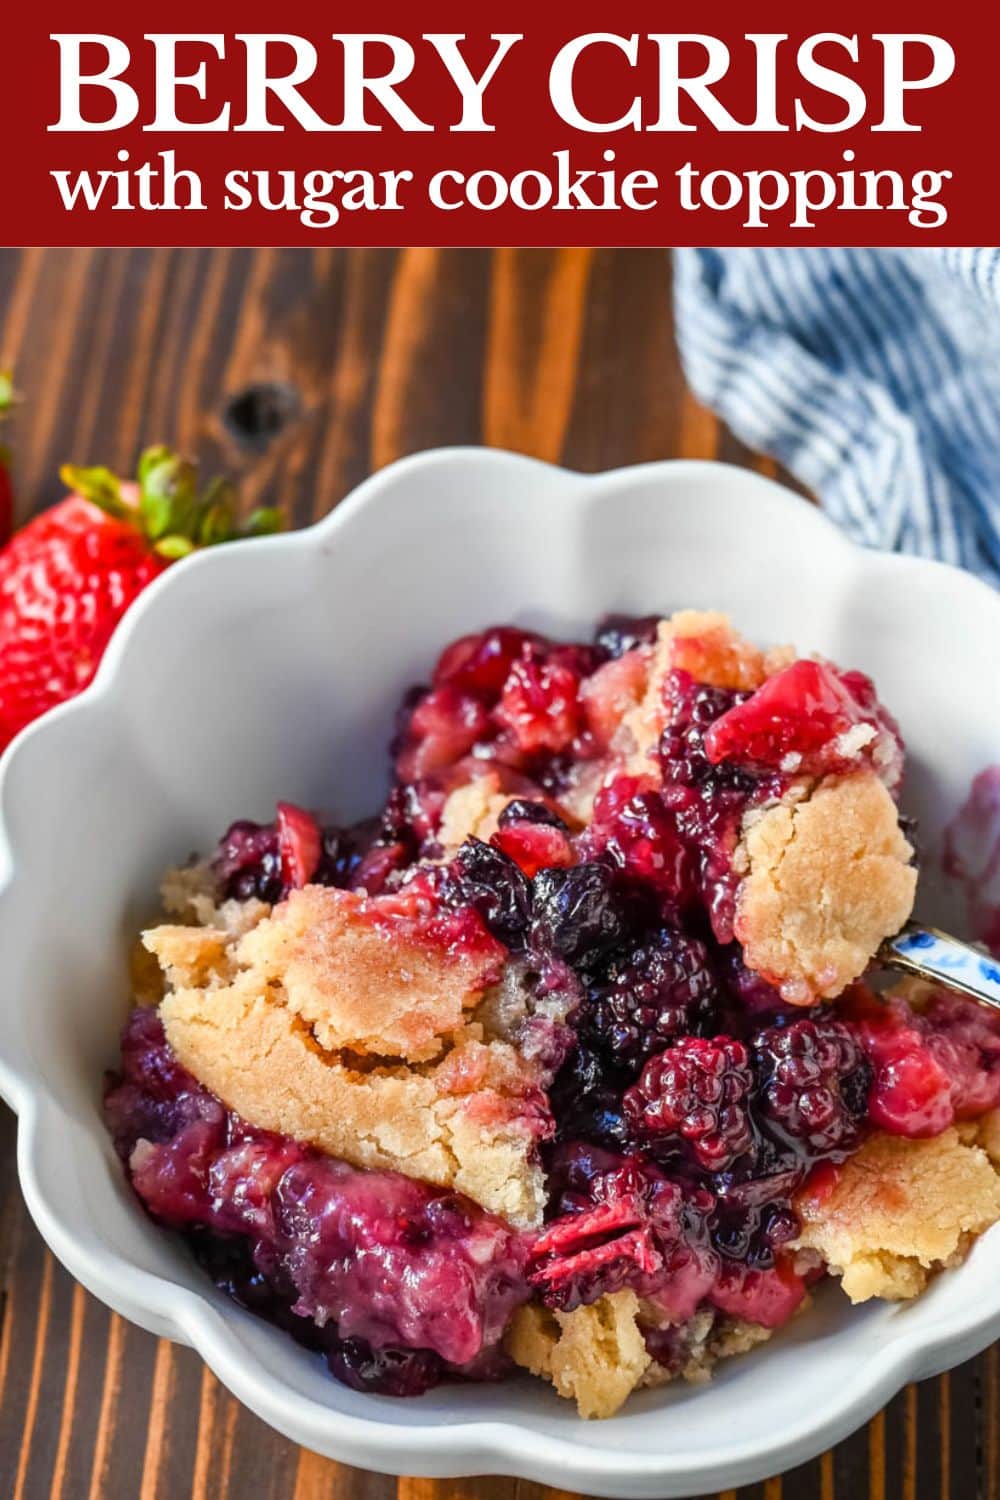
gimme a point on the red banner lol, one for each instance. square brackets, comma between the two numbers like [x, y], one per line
[843, 123]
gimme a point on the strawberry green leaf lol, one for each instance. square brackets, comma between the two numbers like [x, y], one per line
[7, 393]
[173, 547]
[168, 496]
[96, 484]
[149, 458]
[265, 522]
[172, 513]
[217, 525]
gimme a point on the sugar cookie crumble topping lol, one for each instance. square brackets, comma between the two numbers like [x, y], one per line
[565, 1059]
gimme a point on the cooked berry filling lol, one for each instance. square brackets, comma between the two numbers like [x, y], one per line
[620, 1222]
[393, 1279]
[690, 1101]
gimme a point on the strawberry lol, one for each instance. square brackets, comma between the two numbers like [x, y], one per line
[300, 844]
[6, 488]
[67, 577]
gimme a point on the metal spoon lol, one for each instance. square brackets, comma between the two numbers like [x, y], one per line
[943, 959]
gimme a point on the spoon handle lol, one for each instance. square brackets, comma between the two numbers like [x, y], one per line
[943, 959]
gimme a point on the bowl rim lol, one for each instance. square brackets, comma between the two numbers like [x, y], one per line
[190, 1316]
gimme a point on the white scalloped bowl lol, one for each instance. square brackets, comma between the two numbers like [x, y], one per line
[271, 669]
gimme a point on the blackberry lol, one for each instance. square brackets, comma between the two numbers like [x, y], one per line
[693, 1099]
[706, 800]
[693, 708]
[754, 1233]
[652, 993]
[814, 1079]
[341, 852]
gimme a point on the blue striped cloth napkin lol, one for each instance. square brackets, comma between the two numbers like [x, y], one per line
[872, 375]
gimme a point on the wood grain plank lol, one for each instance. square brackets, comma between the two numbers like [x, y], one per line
[67, 1412]
[568, 354]
[989, 1423]
[536, 321]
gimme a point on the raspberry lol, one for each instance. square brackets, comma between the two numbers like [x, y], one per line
[931, 1067]
[695, 1093]
[634, 828]
[965, 1039]
[442, 727]
[911, 1093]
[539, 705]
[480, 664]
[814, 1078]
[658, 990]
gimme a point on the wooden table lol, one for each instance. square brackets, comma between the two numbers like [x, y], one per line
[567, 355]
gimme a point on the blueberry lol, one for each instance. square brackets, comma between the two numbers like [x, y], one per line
[386, 1372]
[586, 1100]
[520, 810]
[247, 862]
[492, 884]
[578, 913]
[620, 633]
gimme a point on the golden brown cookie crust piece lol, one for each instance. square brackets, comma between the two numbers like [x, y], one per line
[828, 877]
[597, 1355]
[276, 1021]
[190, 893]
[900, 1209]
[360, 983]
[244, 1045]
[472, 811]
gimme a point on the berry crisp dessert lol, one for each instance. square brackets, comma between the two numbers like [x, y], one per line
[576, 1056]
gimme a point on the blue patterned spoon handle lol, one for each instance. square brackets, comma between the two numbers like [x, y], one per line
[944, 960]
